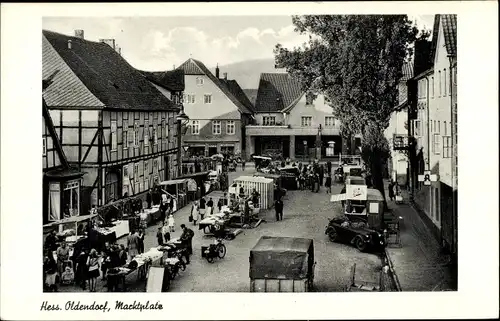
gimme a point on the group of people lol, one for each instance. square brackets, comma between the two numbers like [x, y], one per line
[313, 175]
[202, 207]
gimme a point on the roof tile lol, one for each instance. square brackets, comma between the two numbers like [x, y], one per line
[276, 92]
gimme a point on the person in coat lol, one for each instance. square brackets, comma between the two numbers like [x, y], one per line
[122, 255]
[219, 204]
[159, 236]
[165, 230]
[329, 167]
[391, 190]
[202, 206]
[195, 210]
[210, 207]
[321, 175]
[278, 207]
[328, 184]
[82, 269]
[149, 198]
[133, 244]
[187, 240]
[140, 238]
[50, 272]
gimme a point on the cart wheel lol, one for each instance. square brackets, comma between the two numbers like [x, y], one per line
[221, 251]
[210, 259]
[360, 244]
[332, 235]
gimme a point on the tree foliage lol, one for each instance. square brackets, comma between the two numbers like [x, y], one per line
[356, 61]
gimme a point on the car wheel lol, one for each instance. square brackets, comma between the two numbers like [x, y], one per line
[332, 235]
[360, 244]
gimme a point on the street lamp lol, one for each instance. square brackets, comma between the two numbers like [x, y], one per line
[182, 120]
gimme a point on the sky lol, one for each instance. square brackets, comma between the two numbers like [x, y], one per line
[160, 43]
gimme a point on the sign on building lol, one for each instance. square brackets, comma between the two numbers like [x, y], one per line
[427, 178]
[357, 192]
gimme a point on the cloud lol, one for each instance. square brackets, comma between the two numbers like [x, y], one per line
[162, 49]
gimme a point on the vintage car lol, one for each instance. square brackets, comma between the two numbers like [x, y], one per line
[342, 229]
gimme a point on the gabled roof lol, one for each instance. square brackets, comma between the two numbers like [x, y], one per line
[276, 92]
[107, 75]
[235, 89]
[196, 67]
[251, 95]
[449, 23]
[407, 71]
[172, 80]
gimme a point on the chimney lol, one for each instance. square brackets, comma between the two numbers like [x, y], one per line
[110, 42]
[119, 50]
[225, 75]
[69, 44]
[217, 71]
[79, 34]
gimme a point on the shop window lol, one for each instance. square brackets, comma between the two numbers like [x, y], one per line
[114, 140]
[54, 202]
[71, 199]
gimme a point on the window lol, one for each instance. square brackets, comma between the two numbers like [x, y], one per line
[136, 171]
[199, 81]
[191, 99]
[309, 98]
[136, 134]
[439, 84]
[54, 202]
[44, 146]
[216, 127]
[146, 133]
[417, 130]
[436, 144]
[432, 86]
[230, 127]
[163, 129]
[435, 128]
[125, 139]
[444, 82]
[447, 146]
[71, 198]
[445, 128]
[114, 140]
[195, 127]
[329, 121]
[269, 120]
[439, 127]
[306, 121]
[155, 136]
[207, 98]
[146, 167]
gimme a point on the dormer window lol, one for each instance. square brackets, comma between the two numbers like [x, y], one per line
[199, 81]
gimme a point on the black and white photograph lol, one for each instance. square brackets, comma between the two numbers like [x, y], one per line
[295, 152]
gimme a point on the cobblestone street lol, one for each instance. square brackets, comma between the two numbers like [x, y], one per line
[305, 215]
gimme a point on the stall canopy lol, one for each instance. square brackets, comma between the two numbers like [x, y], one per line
[264, 186]
[281, 258]
[173, 182]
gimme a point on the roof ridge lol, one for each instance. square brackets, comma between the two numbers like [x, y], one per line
[74, 37]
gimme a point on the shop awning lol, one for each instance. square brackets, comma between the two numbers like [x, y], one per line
[72, 219]
[195, 175]
[173, 182]
[63, 174]
[338, 198]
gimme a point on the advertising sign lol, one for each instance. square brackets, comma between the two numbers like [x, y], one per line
[357, 192]
[192, 186]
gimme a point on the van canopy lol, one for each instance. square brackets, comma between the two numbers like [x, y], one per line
[282, 258]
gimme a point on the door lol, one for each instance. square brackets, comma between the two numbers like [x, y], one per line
[212, 150]
[113, 191]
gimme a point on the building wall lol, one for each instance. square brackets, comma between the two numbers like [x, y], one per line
[203, 114]
[50, 156]
[318, 110]
[398, 161]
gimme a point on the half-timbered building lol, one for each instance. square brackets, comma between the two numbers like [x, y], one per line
[113, 124]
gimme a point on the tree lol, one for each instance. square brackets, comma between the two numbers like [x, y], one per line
[356, 62]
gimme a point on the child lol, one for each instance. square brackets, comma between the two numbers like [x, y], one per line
[166, 233]
[68, 276]
[171, 223]
[159, 236]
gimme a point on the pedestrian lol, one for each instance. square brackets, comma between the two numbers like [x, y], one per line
[93, 266]
[51, 241]
[210, 207]
[321, 172]
[133, 244]
[187, 240]
[140, 238]
[329, 167]
[165, 230]
[159, 236]
[82, 269]
[171, 223]
[122, 256]
[149, 198]
[391, 190]
[243, 164]
[62, 254]
[202, 207]
[219, 204]
[195, 211]
[50, 271]
[278, 207]
[328, 184]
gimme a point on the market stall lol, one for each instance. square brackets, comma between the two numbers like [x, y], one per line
[199, 179]
[178, 190]
[264, 186]
[72, 228]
